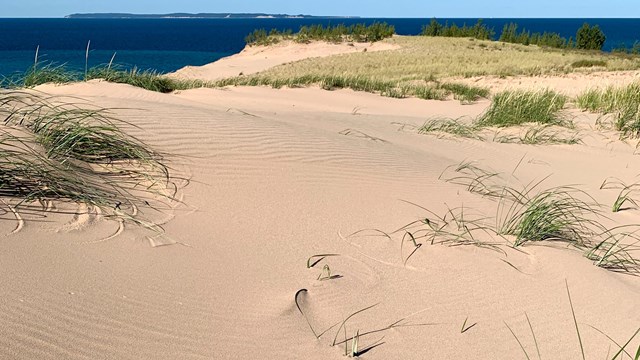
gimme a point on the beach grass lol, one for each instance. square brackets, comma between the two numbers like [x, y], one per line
[49, 73]
[427, 90]
[621, 103]
[146, 79]
[518, 107]
[589, 63]
[540, 135]
[555, 214]
[450, 126]
[52, 151]
[427, 67]
[420, 59]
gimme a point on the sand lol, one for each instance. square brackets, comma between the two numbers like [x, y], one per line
[254, 59]
[571, 84]
[277, 176]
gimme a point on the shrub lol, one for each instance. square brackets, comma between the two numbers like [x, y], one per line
[478, 31]
[510, 34]
[590, 37]
[336, 34]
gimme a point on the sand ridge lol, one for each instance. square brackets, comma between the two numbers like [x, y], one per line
[254, 59]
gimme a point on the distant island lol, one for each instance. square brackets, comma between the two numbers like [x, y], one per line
[198, 16]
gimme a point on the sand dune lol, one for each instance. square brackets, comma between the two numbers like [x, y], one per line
[277, 176]
[254, 59]
[571, 84]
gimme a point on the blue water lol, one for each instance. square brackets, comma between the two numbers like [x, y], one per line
[168, 44]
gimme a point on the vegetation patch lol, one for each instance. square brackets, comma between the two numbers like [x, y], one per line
[517, 107]
[540, 135]
[588, 63]
[532, 214]
[478, 31]
[335, 34]
[559, 214]
[59, 74]
[61, 152]
[146, 79]
[466, 93]
[622, 103]
[450, 126]
[510, 34]
[428, 90]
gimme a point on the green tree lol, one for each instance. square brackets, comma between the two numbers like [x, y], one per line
[433, 29]
[590, 37]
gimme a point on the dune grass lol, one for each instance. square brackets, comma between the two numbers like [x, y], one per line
[420, 58]
[61, 152]
[540, 135]
[428, 90]
[146, 79]
[589, 63]
[538, 113]
[450, 126]
[532, 214]
[45, 73]
[556, 214]
[517, 107]
[626, 194]
[413, 68]
[622, 103]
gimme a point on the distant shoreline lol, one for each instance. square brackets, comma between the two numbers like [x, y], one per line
[200, 16]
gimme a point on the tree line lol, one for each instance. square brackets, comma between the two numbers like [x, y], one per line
[587, 37]
[336, 34]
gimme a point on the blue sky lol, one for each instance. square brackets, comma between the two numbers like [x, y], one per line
[375, 8]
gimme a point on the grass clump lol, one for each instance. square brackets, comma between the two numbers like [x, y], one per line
[47, 73]
[615, 251]
[559, 214]
[588, 63]
[519, 107]
[626, 194]
[61, 152]
[466, 93]
[427, 90]
[623, 103]
[565, 214]
[450, 126]
[540, 135]
[146, 79]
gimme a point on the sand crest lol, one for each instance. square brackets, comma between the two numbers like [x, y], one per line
[254, 59]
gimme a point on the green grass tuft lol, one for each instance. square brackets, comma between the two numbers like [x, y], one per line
[540, 135]
[146, 79]
[622, 103]
[558, 214]
[517, 107]
[61, 152]
[466, 93]
[588, 63]
[450, 126]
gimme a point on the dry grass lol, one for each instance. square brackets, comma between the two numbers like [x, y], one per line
[421, 59]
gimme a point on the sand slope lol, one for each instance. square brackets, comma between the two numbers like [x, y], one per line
[254, 59]
[278, 176]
